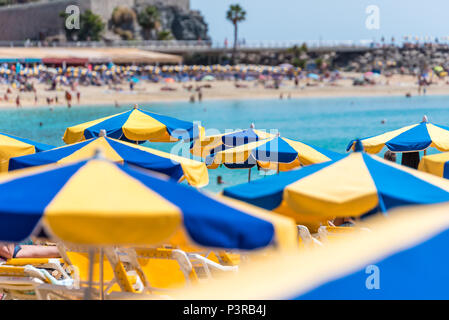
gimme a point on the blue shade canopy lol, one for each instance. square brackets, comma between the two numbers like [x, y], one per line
[276, 153]
[401, 257]
[437, 164]
[39, 147]
[12, 146]
[99, 202]
[214, 143]
[135, 125]
[355, 185]
[173, 166]
[416, 137]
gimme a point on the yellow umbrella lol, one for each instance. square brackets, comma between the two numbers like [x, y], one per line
[135, 125]
[12, 146]
[380, 264]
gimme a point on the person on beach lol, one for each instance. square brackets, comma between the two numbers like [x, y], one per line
[200, 95]
[26, 249]
[343, 222]
[410, 159]
[18, 105]
[78, 96]
[68, 98]
[390, 156]
[220, 180]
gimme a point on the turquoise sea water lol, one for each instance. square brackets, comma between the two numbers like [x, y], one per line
[328, 122]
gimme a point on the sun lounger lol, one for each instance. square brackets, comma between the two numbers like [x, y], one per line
[306, 240]
[330, 233]
[109, 275]
[165, 269]
[20, 282]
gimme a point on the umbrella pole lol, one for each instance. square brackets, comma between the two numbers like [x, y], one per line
[101, 274]
[88, 292]
[249, 175]
[278, 167]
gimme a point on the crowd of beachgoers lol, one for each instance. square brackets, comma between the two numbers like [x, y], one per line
[38, 84]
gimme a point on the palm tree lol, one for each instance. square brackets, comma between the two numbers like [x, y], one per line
[235, 14]
[149, 19]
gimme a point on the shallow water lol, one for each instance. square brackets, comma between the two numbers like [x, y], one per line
[329, 122]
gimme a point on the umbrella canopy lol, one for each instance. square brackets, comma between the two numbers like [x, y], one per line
[438, 69]
[98, 202]
[402, 258]
[202, 148]
[11, 146]
[135, 125]
[416, 137]
[175, 167]
[437, 164]
[353, 186]
[208, 78]
[274, 153]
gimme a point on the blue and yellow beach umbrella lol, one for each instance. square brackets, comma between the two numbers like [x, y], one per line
[416, 137]
[98, 202]
[135, 125]
[11, 146]
[176, 167]
[402, 258]
[274, 153]
[437, 164]
[356, 185]
[203, 147]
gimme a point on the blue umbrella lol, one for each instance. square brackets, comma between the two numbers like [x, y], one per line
[175, 167]
[356, 185]
[403, 257]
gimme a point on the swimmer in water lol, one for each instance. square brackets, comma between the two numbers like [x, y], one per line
[220, 180]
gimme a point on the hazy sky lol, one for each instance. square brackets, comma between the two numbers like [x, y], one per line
[326, 19]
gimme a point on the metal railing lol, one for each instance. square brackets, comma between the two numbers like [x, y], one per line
[186, 44]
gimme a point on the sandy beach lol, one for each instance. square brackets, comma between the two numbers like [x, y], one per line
[396, 85]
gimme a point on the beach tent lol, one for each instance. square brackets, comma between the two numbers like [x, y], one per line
[176, 167]
[202, 147]
[135, 125]
[437, 164]
[416, 137]
[275, 153]
[98, 202]
[403, 258]
[12, 146]
[353, 186]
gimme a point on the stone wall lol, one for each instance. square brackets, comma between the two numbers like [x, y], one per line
[35, 20]
[32, 21]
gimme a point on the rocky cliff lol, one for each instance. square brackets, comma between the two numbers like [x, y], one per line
[183, 24]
